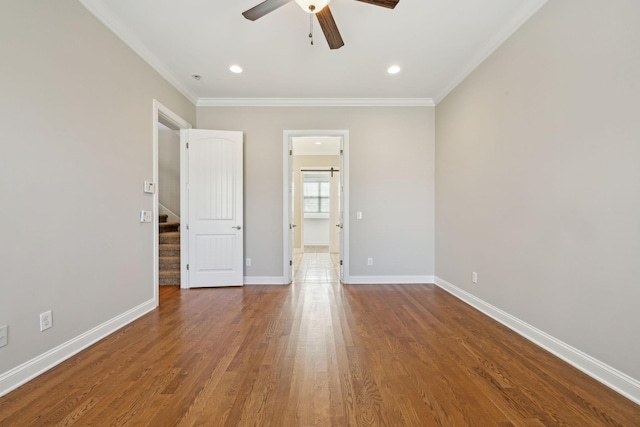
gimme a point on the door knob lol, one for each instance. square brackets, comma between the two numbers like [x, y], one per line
[237, 227]
[293, 225]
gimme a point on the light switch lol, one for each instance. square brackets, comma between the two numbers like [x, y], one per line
[149, 187]
[359, 215]
[145, 216]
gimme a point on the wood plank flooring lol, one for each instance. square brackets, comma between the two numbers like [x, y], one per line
[315, 353]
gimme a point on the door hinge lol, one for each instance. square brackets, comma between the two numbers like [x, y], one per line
[187, 226]
[290, 262]
[340, 262]
[188, 265]
[341, 152]
[187, 145]
[291, 152]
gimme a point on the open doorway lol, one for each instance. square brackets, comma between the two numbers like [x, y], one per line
[316, 185]
[167, 199]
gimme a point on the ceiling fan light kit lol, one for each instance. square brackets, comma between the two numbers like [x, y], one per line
[320, 8]
[312, 6]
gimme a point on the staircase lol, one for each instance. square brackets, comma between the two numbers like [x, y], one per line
[169, 245]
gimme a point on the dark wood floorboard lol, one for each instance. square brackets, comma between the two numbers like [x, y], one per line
[315, 353]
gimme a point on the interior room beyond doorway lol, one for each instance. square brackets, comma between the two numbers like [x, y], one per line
[316, 180]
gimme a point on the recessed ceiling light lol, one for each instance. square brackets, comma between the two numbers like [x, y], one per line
[394, 69]
[236, 69]
[196, 76]
[318, 143]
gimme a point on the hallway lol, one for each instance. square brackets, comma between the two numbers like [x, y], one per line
[315, 265]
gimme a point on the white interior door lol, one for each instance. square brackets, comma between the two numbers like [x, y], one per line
[215, 208]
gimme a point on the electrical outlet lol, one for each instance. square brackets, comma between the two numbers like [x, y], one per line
[4, 335]
[369, 261]
[474, 277]
[248, 262]
[46, 320]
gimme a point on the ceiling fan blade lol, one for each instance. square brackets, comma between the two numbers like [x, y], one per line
[384, 3]
[329, 28]
[263, 8]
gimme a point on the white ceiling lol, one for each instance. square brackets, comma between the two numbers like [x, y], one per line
[316, 145]
[436, 42]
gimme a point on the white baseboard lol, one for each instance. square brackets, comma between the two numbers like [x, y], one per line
[389, 280]
[19, 375]
[611, 377]
[265, 280]
[316, 243]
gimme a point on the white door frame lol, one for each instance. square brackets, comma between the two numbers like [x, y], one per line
[160, 112]
[287, 254]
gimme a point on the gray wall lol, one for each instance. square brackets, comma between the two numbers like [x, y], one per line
[76, 120]
[391, 182]
[169, 168]
[538, 178]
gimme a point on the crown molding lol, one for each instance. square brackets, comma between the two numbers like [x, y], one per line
[494, 43]
[116, 26]
[315, 102]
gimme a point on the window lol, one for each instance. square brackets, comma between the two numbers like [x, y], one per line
[316, 192]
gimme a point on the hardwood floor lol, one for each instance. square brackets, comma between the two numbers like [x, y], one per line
[315, 354]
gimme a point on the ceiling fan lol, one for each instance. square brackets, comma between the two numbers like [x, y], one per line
[320, 8]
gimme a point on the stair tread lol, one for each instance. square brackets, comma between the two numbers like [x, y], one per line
[169, 277]
[169, 252]
[170, 237]
[169, 263]
[170, 245]
[171, 233]
[169, 273]
[169, 225]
